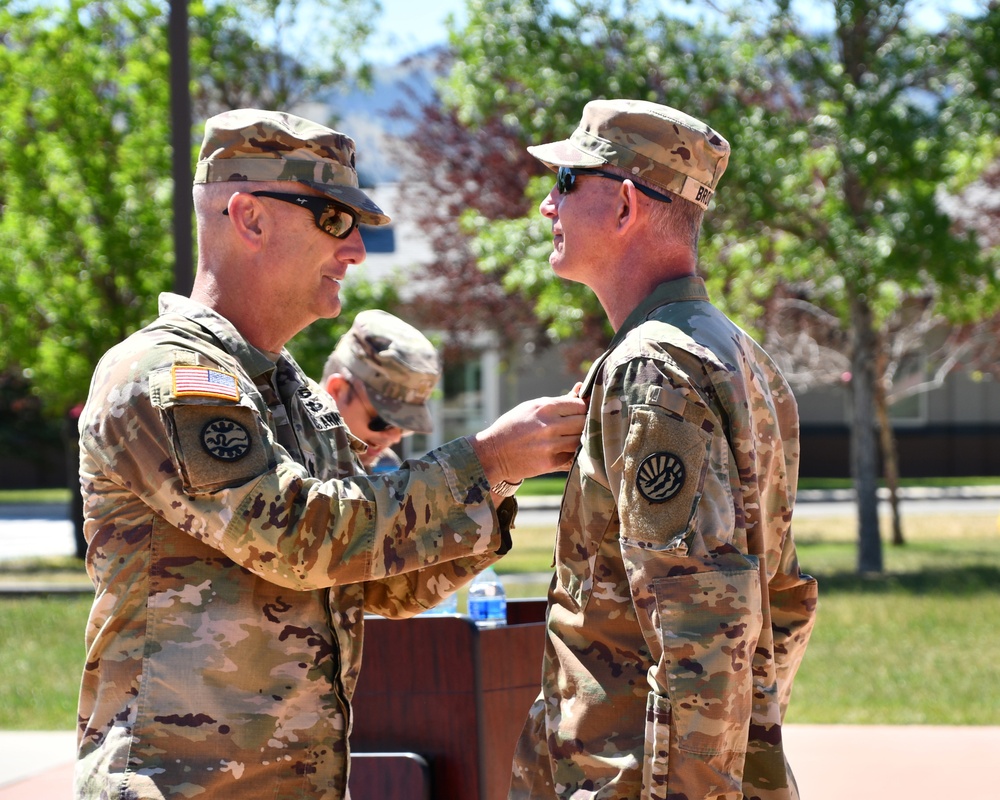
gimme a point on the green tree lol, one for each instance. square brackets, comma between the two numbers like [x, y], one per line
[452, 296]
[841, 138]
[85, 173]
[84, 182]
[276, 53]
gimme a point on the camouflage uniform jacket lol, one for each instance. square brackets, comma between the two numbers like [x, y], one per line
[677, 613]
[235, 544]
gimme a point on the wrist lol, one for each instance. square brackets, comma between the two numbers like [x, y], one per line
[486, 451]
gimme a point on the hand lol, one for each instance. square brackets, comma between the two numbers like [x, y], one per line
[533, 438]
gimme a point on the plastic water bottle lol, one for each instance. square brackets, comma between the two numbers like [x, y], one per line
[487, 600]
[449, 606]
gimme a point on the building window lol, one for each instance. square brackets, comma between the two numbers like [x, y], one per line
[911, 410]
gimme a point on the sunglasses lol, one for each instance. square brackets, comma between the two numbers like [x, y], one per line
[331, 217]
[566, 180]
[376, 424]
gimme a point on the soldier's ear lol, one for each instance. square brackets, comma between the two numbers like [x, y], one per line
[245, 213]
[627, 206]
[336, 385]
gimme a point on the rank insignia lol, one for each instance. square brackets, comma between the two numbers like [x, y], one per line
[225, 439]
[660, 477]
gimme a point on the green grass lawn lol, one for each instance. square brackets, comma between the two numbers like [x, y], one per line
[918, 644]
[34, 495]
[42, 643]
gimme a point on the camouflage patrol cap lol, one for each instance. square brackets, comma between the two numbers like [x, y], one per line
[249, 144]
[397, 364]
[664, 146]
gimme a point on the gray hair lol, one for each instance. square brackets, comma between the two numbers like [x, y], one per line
[679, 220]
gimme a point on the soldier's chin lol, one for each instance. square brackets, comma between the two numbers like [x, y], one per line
[371, 455]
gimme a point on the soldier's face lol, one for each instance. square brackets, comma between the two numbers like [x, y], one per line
[358, 414]
[312, 263]
[578, 228]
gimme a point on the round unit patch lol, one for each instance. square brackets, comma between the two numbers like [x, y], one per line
[225, 439]
[660, 477]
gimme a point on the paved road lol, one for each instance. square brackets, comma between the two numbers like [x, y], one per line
[911, 507]
[42, 529]
[828, 504]
[831, 762]
[36, 529]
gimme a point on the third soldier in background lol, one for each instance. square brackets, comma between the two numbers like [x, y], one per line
[677, 615]
[382, 374]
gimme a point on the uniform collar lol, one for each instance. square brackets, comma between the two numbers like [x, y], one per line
[678, 290]
[255, 361]
[690, 287]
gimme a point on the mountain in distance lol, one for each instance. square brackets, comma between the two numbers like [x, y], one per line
[369, 116]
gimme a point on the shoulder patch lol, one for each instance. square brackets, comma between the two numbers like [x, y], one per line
[204, 382]
[660, 476]
[225, 439]
[217, 446]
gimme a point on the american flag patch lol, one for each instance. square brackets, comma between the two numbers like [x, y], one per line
[205, 382]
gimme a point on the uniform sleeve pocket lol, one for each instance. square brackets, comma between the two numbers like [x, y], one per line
[215, 446]
[709, 625]
[665, 462]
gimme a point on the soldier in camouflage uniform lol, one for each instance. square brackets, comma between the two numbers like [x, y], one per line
[382, 374]
[235, 542]
[677, 614]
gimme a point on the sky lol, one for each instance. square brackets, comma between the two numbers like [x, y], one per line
[408, 26]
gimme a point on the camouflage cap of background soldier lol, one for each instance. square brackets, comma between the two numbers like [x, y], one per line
[662, 145]
[249, 144]
[397, 364]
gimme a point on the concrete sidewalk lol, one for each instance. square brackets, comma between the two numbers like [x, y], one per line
[831, 762]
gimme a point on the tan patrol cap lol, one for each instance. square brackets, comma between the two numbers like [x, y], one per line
[397, 364]
[249, 144]
[664, 146]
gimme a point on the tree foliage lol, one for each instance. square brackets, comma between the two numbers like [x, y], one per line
[452, 174]
[275, 53]
[85, 156]
[842, 139]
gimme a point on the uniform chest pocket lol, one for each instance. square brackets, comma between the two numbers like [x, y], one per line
[588, 511]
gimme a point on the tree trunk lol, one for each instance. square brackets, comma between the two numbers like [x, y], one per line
[864, 451]
[890, 460]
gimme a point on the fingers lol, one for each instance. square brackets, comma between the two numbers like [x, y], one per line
[567, 405]
[533, 438]
[556, 442]
[565, 464]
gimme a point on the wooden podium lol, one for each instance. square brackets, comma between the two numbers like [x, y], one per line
[440, 692]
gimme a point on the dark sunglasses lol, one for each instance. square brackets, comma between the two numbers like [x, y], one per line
[331, 217]
[566, 180]
[376, 424]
